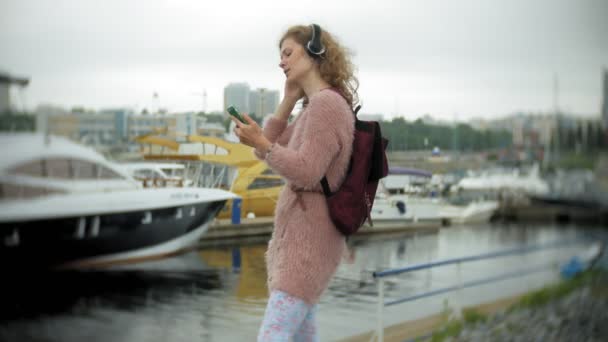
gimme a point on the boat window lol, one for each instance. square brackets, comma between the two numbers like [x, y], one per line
[32, 168]
[17, 191]
[143, 173]
[64, 169]
[262, 183]
[83, 169]
[58, 168]
[106, 173]
[268, 172]
[173, 172]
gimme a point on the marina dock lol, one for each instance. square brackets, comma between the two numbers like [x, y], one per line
[224, 232]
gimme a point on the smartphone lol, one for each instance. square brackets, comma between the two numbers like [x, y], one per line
[232, 111]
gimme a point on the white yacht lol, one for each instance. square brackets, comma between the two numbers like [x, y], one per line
[503, 180]
[406, 195]
[401, 197]
[62, 204]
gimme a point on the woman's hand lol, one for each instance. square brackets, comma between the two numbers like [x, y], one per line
[293, 92]
[250, 133]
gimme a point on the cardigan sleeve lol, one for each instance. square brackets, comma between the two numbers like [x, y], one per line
[272, 131]
[323, 134]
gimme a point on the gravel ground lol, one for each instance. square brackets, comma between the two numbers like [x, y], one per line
[582, 315]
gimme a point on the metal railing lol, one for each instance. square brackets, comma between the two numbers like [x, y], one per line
[380, 275]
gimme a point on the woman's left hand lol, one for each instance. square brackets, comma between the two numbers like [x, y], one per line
[251, 133]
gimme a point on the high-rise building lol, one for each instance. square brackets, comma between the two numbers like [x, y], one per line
[605, 99]
[263, 101]
[237, 95]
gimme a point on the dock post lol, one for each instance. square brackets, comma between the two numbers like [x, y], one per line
[458, 302]
[236, 211]
[236, 259]
[380, 327]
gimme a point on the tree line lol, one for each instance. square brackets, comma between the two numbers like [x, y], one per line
[17, 122]
[414, 135]
[417, 135]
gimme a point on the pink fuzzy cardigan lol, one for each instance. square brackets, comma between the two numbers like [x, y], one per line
[306, 248]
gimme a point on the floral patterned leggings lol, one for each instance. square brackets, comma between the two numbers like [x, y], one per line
[286, 317]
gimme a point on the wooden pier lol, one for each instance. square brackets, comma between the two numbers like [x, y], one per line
[224, 232]
[257, 230]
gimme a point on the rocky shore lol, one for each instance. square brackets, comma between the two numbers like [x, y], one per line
[579, 315]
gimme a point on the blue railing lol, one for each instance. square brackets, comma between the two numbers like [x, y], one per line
[380, 275]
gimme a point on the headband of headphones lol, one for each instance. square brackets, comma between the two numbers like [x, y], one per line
[314, 47]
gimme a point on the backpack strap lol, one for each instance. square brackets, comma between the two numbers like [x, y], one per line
[378, 155]
[324, 182]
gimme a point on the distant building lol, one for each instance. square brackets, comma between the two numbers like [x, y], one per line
[56, 120]
[186, 123]
[113, 128]
[263, 101]
[212, 129]
[180, 124]
[118, 118]
[6, 81]
[237, 95]
[527, 129]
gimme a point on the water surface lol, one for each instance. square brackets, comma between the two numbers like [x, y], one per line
[219, 294]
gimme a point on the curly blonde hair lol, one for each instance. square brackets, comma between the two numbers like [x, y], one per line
[335, 65]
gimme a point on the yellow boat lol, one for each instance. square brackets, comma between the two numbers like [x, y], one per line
[251, 179]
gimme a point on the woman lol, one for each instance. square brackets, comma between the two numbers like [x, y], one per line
[306, 248]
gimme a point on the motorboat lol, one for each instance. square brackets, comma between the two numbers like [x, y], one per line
[64, 205]
[402, 197]
[406, 209]
[407, 195]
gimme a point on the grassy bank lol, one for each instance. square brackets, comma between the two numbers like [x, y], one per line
[597, 280]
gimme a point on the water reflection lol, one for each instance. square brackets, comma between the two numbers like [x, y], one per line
[219, 294]
[30, 295]
[251, 283]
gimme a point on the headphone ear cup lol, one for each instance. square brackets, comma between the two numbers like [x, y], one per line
[314, 46]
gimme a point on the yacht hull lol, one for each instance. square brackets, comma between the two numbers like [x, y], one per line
[102, 228]
[98, 240]
[400, 208]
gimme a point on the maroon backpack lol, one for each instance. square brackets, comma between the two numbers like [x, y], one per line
[350, 206]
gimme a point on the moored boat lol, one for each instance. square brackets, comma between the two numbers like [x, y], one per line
[62, 204]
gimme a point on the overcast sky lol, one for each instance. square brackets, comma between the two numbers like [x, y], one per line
[448, 58]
